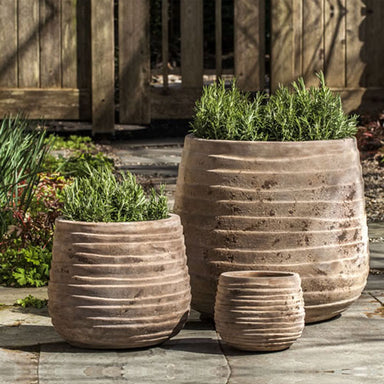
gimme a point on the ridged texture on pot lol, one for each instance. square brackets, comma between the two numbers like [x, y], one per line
[289, 206]
[119, 285]
[258, 311]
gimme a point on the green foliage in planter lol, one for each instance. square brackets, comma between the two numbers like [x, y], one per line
[102, 197]
[290, 114]
[32, 302]
[22, 151]
[228, 114]
[25, 266]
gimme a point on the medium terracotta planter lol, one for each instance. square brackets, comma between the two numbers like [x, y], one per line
[119, 285]
[259, 311]
[287, 206]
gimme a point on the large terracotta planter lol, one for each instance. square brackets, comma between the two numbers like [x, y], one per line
[287, 206]
[119, 285]
[259, 311]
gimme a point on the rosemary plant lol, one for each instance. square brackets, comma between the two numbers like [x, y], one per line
[228, 114]
[101, 197]
[290, 114]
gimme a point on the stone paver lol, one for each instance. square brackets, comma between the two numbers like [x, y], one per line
[18, 367]
[349, 349]
[376, 253]
[191, 357]
[9, 296]
[376, 231]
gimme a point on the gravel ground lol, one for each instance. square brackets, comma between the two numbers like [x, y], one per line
[373, 174]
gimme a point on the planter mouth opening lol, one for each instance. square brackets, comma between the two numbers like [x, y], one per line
[258, 274]
[171, 216]
[270, 142]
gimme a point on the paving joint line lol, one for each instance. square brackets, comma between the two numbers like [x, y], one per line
[226, 359]
[374, 297]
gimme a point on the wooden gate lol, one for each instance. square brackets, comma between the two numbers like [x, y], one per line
[140, 102]
[343, 38]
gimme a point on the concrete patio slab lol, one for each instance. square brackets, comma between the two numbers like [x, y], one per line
[376, 253]
[193, 356]
[349, 349]
[19, 367]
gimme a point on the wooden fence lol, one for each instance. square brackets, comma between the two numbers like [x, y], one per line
[58, 57]
[343, 38]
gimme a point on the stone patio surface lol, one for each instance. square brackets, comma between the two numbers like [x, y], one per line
[348, 349]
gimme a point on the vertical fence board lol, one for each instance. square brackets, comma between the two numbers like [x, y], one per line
[84, 54]
[8, 43]
[50, 44]
[103, 74]
[191, 24]
[134, 62]
[249, 30]
[69, 43]
[28, 43]
[165, 40]
[313, 42]
[354, 43]
[297, 14]
[334, 32]
[218, 38]
[373, 52]
[282, 42]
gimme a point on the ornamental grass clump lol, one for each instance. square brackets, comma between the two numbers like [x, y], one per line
[23, 149]
[290, 114]
[102, 197]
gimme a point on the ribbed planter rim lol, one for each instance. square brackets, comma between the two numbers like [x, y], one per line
[259, 274]
[271, 142]
[171, 216]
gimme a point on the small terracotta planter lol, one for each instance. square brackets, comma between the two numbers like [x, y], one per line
[119, 285]
[259, 311]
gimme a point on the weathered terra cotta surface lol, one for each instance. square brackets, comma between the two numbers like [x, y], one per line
[259, 311]
[287, 206]
[119, 285]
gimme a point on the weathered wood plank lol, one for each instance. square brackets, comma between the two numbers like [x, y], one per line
[71, 104]
[176, 103]
[69, 43]
[355, 36]
[8, 43]
[134, 62]
[297, 38]
[219, 38]
[371, 33]
[313, 42]
[362, 99]
[28, 43]
[282, 42]
[249, 30]
[191, 25]
[84, 44]
[165, 41]
[103, 55]
[334, 32]
[50, 44]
